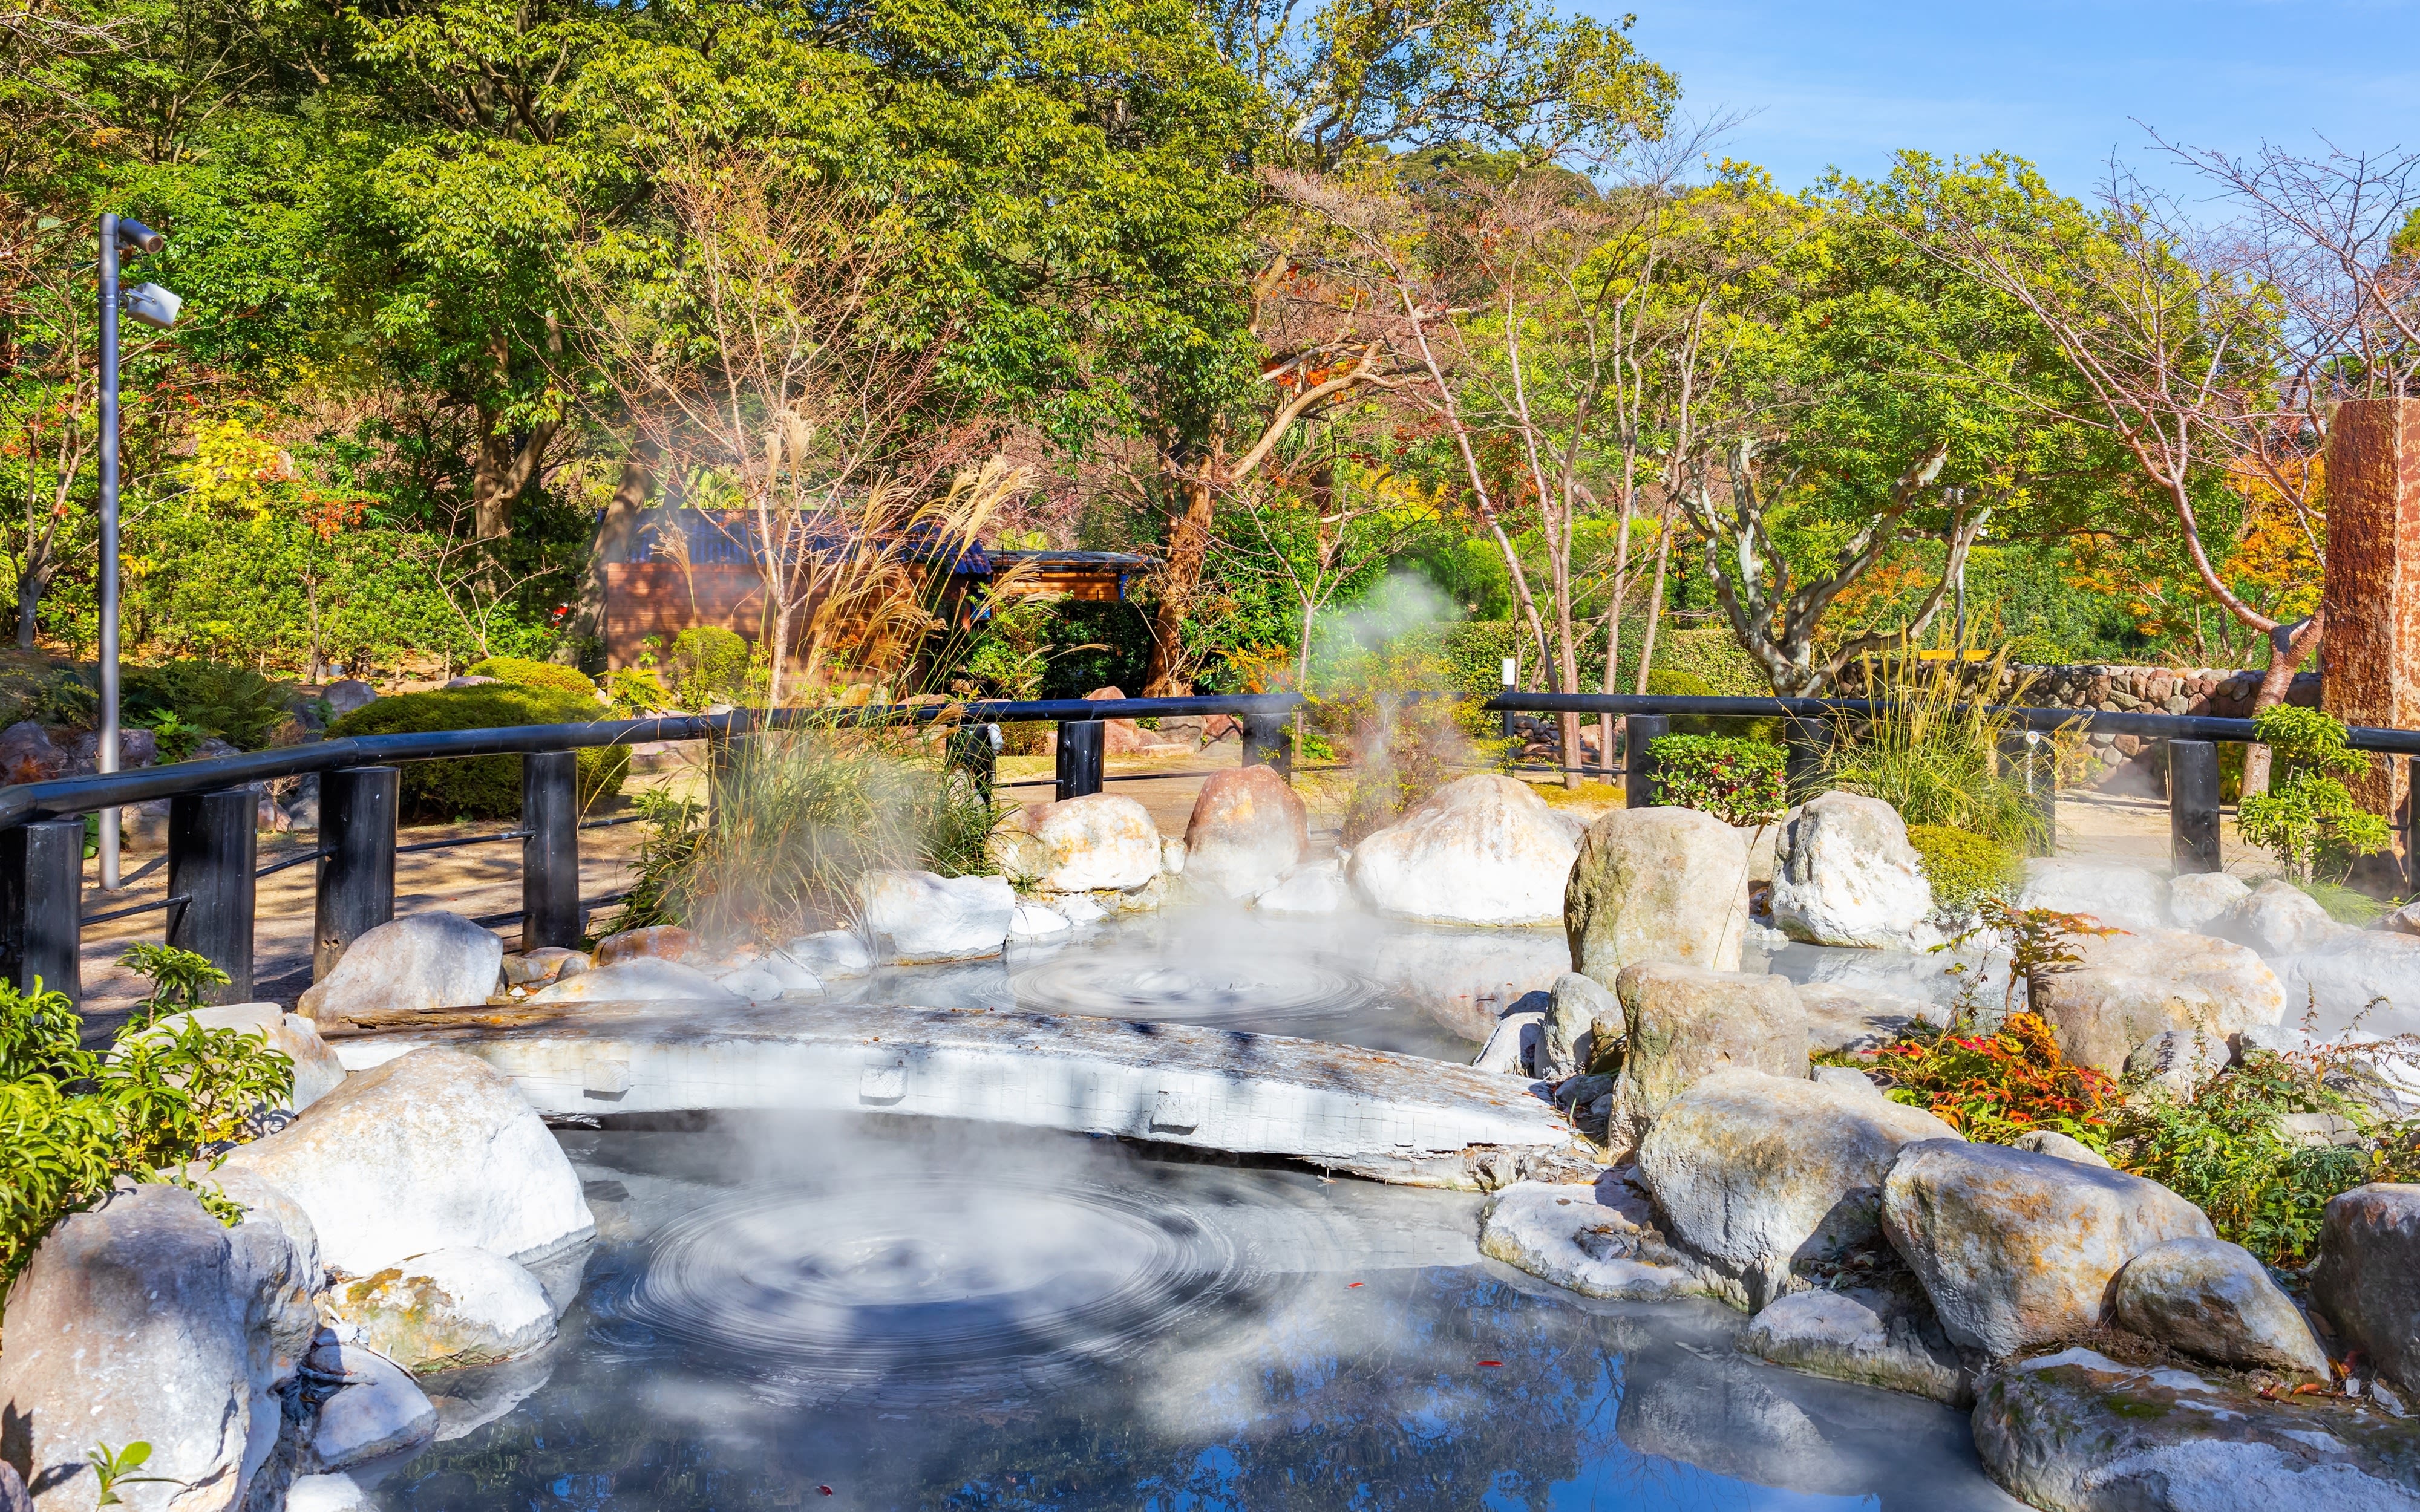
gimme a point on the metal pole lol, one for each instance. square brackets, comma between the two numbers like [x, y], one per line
[1265, 743]
[105, 759]
[212, 849]
[357, 814]
[1080, 757]
[1640, 733]
[2412, 823]
[550, 850]
[2193, 807]
[974, 750]
[1807, 741]
[41, 901]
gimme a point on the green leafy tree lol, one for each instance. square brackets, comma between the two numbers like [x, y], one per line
[2308, 817]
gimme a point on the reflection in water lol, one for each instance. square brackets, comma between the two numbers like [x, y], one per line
[980, 1319]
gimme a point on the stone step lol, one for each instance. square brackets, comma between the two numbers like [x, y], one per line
[1390, 1117]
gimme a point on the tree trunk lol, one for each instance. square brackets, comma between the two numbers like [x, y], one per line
[29, 605]
[501, 471]
[2288, 644]
[616, 535]
[1188, 544]
[1655, 603]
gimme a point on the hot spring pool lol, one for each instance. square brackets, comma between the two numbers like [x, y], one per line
[918, 1315]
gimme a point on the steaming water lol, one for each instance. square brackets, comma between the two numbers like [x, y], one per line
[959, 1316]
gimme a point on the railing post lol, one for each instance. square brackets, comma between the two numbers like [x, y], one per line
[212, 848]
[1265, 742]
[974, 750]
[2411, 823]
[550, 850]
[2025, 755]
[2193, 807]
[42, 906]
[1080, 757]
[1806, 739]
[357, 815]
[1640, 733]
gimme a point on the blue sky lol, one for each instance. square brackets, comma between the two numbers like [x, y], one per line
[1847, 82]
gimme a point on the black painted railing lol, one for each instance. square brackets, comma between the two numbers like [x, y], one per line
[213, 859]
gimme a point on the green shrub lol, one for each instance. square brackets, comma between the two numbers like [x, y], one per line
[708, 665]
[635, 691]
[207, 697]
[72, 1121]
[1766, 728]
[2308, 817]
[483, 787]
[2224, 1152]
[1738, 782]
[522, 673]
[1964, 869]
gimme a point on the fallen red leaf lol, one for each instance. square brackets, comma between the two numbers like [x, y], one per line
[825, 1489]
[1350, 1284]
[1492, 1364]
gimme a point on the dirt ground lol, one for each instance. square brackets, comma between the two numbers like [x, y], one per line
[482, 880]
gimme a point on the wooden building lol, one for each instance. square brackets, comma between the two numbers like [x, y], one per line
[688, 567]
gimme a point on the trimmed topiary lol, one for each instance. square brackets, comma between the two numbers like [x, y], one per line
[522, 673]
[1964, 868]
[483, 787]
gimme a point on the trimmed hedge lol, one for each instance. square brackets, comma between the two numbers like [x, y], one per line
[1738, 782]
[522, 673]
[1964, 868]
[484, 787]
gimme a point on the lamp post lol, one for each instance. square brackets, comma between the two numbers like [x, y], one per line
[153, 307]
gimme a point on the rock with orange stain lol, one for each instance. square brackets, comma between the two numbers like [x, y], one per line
[1247, 830]
[663, 942]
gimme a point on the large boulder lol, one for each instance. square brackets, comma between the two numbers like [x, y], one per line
[431, 1150]
[1684, 1023]
[832, 955]
[1097, 842]
[1845, 874]
[1757, 1174]
[2016, 1248]
[655, 942]
[1884, 1336]
[1584, 1024]
[1484, 849]
[1599, 1241]
[638, 979]
[2212, 1299]
[145, 1319]
[2125, 989]
[2119, 895]
[447, 1309]
[376, 1411]
[2076, 1431]
[2370, 975]
[1309, 889]
[425, 961]
[317, 1070]
[2200, 901]
[2279, 918]
[2368, 1278]
[917, 916]
[1656, 884]
[1247, 830]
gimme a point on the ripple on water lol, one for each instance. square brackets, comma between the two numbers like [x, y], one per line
[924, 1287]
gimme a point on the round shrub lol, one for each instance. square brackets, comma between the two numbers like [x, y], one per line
[1964, 869]
[483, 787]
[708, 665]
[522, 673]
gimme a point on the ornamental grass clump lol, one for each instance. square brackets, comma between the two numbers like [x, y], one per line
[1933, 753]
[72, 1121]
[799, 815]
[1738, 782]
